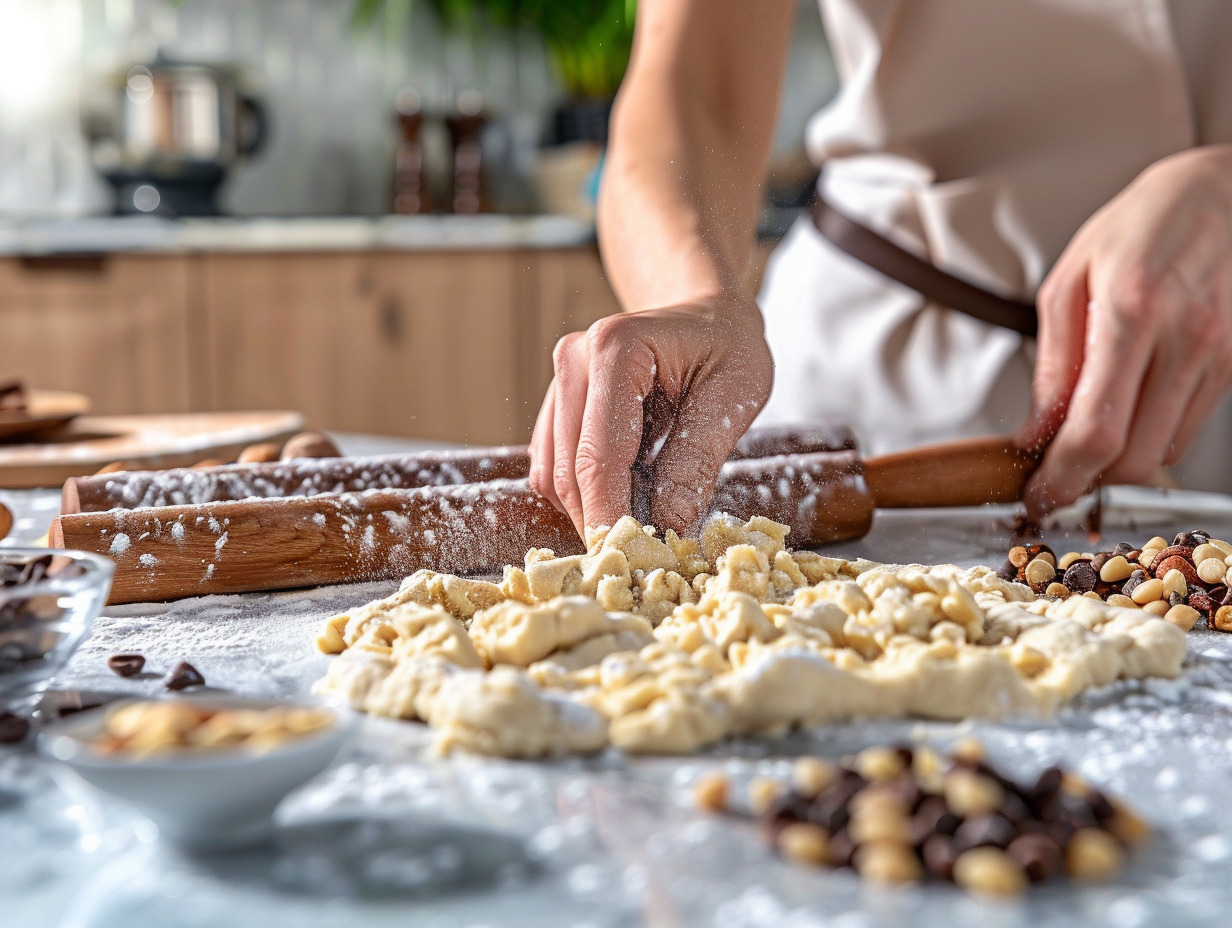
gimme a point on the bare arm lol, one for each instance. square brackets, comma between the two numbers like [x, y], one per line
[686, 367]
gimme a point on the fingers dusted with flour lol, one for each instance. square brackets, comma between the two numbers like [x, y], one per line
[691, 378]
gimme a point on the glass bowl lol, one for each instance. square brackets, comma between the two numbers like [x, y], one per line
[48, 600]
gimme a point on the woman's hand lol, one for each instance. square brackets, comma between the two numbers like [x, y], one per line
[1135, 344]
[686, 381]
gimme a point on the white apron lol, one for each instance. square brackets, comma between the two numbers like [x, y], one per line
[979, 135]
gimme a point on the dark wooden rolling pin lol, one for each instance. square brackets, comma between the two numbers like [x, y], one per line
[263, 544]
[308, 477]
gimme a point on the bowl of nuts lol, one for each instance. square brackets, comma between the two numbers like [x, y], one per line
[48, 600]
[210, 770]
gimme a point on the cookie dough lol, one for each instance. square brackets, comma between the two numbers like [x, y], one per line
[662, 644]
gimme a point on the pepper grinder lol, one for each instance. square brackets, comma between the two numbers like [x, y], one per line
[465, 124]
[410, 183]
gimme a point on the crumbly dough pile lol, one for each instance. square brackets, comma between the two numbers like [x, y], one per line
[665, 644]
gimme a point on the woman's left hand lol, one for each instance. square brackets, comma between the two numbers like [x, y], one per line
[1135, 342]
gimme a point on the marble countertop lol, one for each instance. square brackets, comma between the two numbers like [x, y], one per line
[149, 234]
[391, 835]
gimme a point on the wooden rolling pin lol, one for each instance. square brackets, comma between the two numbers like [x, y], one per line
[308, 477]
[263, 544]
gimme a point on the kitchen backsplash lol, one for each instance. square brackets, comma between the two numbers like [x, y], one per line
[329, 90]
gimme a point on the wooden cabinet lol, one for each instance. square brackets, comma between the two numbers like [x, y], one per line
[455, 346]
[409, 343]
[115, 327]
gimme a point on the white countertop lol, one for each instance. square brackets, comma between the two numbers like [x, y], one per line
[149, 234]
[392, 836]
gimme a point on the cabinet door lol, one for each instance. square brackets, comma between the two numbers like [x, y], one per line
[115, 328]
[413, 344]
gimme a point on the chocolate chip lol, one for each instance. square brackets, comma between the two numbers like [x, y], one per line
[13, 728]
[182, 676]
[72, 708]
[1100, 806]
[991, 830]
[1123, 548]
[841, 849]
[126, 665]
[1038, 854]
[1015, 808]
[933, 817]
[1098, 562]
[939, 855]
[1080, 577]
[1046, 784]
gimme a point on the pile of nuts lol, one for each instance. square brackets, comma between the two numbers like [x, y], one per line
[901, 815]
[1187, 580]
[140, 729]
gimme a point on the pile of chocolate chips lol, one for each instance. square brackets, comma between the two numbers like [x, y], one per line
[902, 815]
[1183, 580]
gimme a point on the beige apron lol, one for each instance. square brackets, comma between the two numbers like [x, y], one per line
[979, 135]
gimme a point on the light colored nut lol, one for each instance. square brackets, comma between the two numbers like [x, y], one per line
[763, 792]
[1158, 542]
[989, 871]
[1147, 591]
[1047, 557]
[1148, 555]
[1158, 608]
[1093, 854]
[260, 454]
[879, 763]
[1116, 569]
[310, 445]
[880, 824]
[1067, 559]
[889, 863]
[1206, 552]
[710, 792]
[1039, 573]
[1122, 601]
[1057, 589]
[1212, 570]
[1182, 616]
[1091, 594]
[876, 799]
[1222, 619]
[926, 764]
[804, 843]
[1128, 827]
[970, 749]
[1174, 582]
[811, 776]
[1227, 578]
[970, 793]
[1223, 547]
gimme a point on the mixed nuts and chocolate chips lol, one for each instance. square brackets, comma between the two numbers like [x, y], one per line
[898, 815]
[1182, 581]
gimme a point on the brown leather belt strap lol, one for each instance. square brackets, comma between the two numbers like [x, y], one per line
[936, 285]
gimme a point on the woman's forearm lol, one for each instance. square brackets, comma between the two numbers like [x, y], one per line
[690, 136]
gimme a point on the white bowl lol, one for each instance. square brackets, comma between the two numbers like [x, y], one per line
[201, 799]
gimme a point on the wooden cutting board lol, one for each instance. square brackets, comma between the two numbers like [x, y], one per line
[150, 442]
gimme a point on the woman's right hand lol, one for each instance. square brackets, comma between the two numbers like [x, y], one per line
[686, 380]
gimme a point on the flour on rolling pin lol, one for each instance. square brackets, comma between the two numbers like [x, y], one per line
[302, 477]
[133, 489]
[236, 546]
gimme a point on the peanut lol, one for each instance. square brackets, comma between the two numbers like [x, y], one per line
[1148, 591]
[889, 863]
[805, 843]
[1115, 569]
[1182, 616]
[991, 871]
[969, 793]
[1093, 854]
[811, 776]
[710, 792]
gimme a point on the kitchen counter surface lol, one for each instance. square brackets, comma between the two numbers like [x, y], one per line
[390, 835]
[149, 234]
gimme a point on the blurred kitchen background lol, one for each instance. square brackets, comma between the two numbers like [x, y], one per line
[403, 193]
[376, 212]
